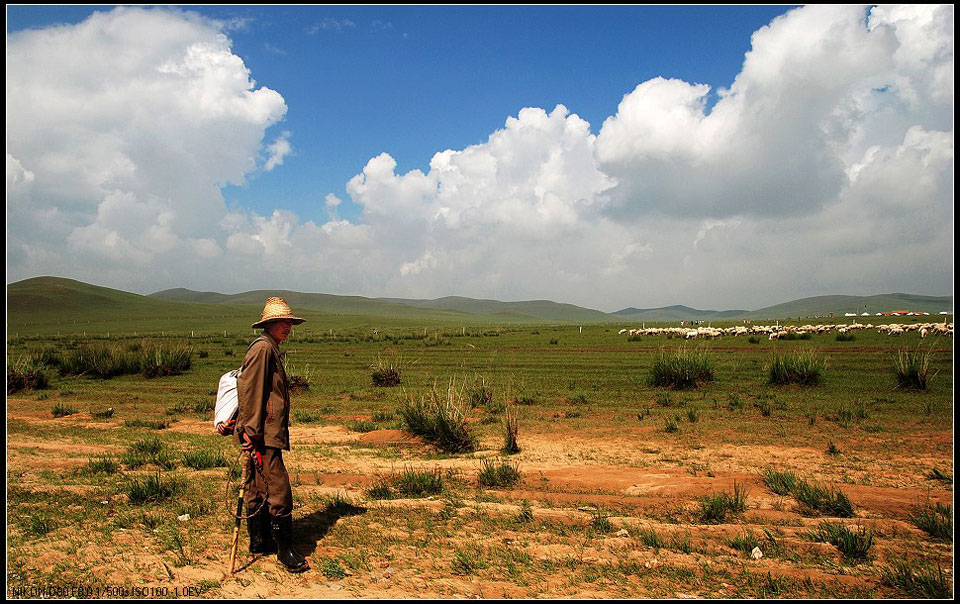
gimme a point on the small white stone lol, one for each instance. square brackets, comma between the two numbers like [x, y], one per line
[623, 533]
[756, 554]
[183, 518]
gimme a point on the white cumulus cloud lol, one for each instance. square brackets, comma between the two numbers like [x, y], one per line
[826, 166]
[129, 123]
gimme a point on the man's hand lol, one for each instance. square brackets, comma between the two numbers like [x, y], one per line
[226, 428]
[247, 444]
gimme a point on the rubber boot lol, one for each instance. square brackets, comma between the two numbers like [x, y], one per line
[288, 557]
[261, 539]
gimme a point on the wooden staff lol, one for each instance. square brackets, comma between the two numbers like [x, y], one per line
[239, 515]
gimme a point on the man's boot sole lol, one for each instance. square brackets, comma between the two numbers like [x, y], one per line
[293, 571]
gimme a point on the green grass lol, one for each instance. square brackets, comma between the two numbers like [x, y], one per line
[685, 369]
[717, 507]
[816, 499]
[63, 410]
[934, 518]
[650, 538]
[103, 464]
[386, 373]
[854, 545]
[331, 569]
[498, 473]
[37, 525]
[819, 499]
[803, 367]
[467, 561]
[917, 580]
[153, 489]
[744, 542]
[600, 522]
[205, 459]
[440, 418]
[602, 368]
[152, 424]
[25, 374]
[912, 368]
[362, 426]
[511, 429]
[410, 482]
[149, 451]
[480, 393]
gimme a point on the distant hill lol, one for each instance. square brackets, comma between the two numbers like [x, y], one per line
[45, 304]
[53, 304]
[542, 310]
[677, 313]
[56, 294]
[326, 303]
[180, 294]
[821, 306]
[817, 306]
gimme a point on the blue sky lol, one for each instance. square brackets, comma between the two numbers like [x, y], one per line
[605, 156]
[412, 80]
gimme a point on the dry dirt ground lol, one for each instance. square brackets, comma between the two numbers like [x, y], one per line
[610, 515]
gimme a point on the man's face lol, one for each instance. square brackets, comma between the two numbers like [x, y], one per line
[279, 330]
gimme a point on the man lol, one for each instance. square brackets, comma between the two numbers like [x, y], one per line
[262, 429]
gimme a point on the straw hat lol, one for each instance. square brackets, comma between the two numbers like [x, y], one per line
[277, 309]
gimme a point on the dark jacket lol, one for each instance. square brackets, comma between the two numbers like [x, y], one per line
[263, 396]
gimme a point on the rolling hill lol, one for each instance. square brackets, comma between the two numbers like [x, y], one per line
[44, 304]
[816, 306]
[677, 313]
[542, 310]
[821, 306]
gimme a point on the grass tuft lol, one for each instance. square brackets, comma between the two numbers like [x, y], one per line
[26, 374]
[854, 545]
[934, 518]
[160, 424]
[814, 498]
[440, 418]
[716, 507]
[205, 459]
[685, 369]
[917, 581]
[480, 393]
[408, 483]
[153, 489]
[386, 373]
[913, 368]
[498, 473]
[62, 410]
[511, 427]
[745, 542]
[145, 452]
[803, 367]
[781, 483]
[104, 464]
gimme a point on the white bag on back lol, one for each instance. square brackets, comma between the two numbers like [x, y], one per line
[227, 404]
[226, 408]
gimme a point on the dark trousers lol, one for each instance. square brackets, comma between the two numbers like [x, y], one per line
[271, 483]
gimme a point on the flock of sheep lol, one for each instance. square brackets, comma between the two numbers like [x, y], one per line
[776, 332]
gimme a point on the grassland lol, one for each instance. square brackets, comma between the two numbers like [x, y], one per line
[609, 502]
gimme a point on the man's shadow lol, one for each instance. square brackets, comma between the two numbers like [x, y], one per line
[309, 530]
